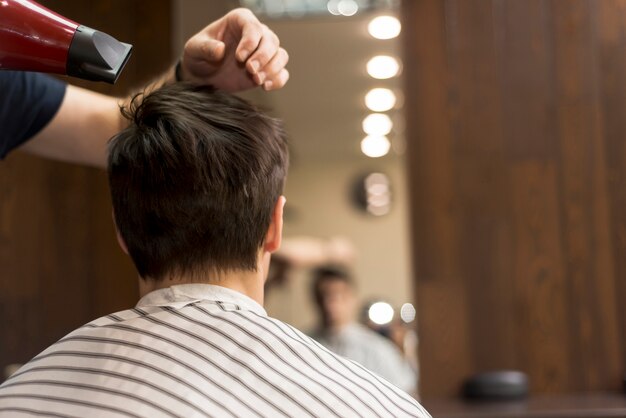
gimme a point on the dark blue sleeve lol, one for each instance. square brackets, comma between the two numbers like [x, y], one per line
[28, 101]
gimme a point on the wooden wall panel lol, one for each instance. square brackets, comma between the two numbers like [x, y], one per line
[609, 32]
[517, 162]
[61, 265]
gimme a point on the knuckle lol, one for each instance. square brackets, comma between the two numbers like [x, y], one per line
[248, 43]
[262, 57]
[242, 11]
[275, 38]
[270, 35]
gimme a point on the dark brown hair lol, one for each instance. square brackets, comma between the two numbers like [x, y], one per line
[194, 180]
[328, 273]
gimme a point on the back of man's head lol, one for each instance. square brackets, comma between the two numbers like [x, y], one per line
[194, 180]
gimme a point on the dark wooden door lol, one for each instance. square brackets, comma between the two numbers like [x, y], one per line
[61, 266]
[516, 119]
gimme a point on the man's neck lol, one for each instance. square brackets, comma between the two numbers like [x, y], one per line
[336, 328]
[249, 283]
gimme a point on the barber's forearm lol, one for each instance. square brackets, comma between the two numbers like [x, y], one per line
[83, 125]
[80, 130]
[236, 52]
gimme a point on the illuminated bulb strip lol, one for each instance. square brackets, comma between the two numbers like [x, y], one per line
[407, 313]
[348, 7]
[383, 67]
[377, 124]
[342, 7]
[378, 192]
[380, 313]
[380, 100]
[375, 146]
[332, 7]
[384, 27]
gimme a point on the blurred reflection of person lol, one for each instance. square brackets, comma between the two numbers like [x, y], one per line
[306, 252]
[334, 293]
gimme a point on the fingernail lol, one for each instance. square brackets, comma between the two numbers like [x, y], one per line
[268, 85]
[255, 66]
[243, 55]
[261, 77]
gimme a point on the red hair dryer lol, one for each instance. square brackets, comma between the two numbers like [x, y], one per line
[33, 38]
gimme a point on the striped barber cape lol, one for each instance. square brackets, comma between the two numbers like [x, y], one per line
[197, 350]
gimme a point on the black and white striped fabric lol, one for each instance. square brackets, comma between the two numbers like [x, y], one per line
[195, 351]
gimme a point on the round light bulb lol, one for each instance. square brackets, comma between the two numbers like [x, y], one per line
[380, 100]
[407, 313]
[380, 313]
[384, 27]
[378, 210]
[332, 7]
[377, 124]
[375, 179]
[383, 67]
[348, 7]
[375, 146]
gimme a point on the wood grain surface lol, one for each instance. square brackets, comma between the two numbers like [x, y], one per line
[516, 124]
[61, 265]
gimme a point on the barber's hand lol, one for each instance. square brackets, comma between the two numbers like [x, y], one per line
[235, 53]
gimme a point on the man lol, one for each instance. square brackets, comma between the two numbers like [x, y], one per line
[42, 115]
[333, 291]
[196, 183]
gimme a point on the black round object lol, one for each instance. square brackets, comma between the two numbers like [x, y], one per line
[497, 385]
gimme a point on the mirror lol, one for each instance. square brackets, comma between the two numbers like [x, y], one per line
[343, 102]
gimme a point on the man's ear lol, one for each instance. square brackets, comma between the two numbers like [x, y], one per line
[120, 240]
[274, 235]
